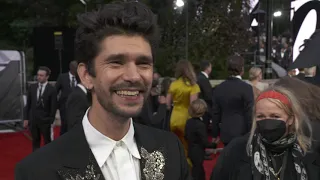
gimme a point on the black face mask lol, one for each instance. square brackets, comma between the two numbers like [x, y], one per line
[271, 129]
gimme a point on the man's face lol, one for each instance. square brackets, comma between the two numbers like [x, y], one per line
[209, 69]
[42, 76]
[124, 70]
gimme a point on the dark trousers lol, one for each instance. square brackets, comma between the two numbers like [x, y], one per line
[63, 118]
[197, 157]
[206, 119]
[37, 128]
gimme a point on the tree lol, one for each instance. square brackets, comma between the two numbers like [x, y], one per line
[217, 29]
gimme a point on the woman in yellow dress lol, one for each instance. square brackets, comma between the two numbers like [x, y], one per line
[181, 93]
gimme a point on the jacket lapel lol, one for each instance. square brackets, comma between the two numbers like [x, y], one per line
[152, 163]
[78, 160]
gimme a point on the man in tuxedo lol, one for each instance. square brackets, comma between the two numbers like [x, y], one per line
[232, 104]
[205, 88]
[77, 104]
[114, 47]
[41, 108]
[66, 82]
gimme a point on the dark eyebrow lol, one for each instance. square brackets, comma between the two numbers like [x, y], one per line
[144, 58]
[123, 57]
[113, 57]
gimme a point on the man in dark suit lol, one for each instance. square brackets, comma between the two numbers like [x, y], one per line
[77, 104]
[232, 104]
[205, 88]
[66, 82]
[114, 50]
[41, 108]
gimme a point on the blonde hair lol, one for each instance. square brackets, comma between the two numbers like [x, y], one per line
[301, 120]
[197, 108]
[254, 72]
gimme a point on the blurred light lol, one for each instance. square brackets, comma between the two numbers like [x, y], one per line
[254, 23]
[277, 14]
[179, 3]
[83, 2]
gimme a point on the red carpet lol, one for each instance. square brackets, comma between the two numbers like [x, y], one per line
[16, 146]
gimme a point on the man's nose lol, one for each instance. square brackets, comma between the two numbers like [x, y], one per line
[131, 73]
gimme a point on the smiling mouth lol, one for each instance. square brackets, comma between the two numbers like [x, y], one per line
[124, 93]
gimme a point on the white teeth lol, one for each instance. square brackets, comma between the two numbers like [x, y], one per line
[127, 93]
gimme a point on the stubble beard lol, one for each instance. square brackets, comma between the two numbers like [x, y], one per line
[111, 107]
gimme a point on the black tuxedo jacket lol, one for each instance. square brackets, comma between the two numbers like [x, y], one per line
[76, 107]
[69, 157]
[205, 88]
[232, 107]
[43, 110]
[63, 84]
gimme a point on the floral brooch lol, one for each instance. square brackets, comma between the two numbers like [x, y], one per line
[154, 164]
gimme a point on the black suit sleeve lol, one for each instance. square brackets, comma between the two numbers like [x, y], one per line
[185, 172]
[76, 108]
[216, 116]
[53, 104]
[28, 105]
[206, 90]
[248, 107]
[202, 133]
[20, 173]
[58, 83]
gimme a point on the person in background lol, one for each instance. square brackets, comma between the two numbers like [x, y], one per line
[255, 77]
[41, 108]
[301, 74]
[310, 76]
[161, 118]
[197, 138]
[77, 104]
[66, 82]
[278, 146]
[205, 88]
[181, 93]
[308, 95]
[232, 104]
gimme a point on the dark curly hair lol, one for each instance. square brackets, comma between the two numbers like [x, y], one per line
[118, 18]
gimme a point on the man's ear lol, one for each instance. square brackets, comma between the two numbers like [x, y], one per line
[85, 77]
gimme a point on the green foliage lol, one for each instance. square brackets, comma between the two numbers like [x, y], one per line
[216, 28]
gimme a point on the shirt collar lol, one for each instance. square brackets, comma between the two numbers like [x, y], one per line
[43, 85]
[237, 76]
[70, 75]
[102, 146]
[205, 74]
[82, 87]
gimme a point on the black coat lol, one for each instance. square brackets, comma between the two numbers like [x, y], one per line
[232, 108]
[76, 106]
[45, 111]
[235, 164]
[205, 88]
[71, 154]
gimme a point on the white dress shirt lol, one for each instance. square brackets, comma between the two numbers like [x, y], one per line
[205, 74]
[72, 77]
[42, 90]
[82, 88]
[118, 160]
